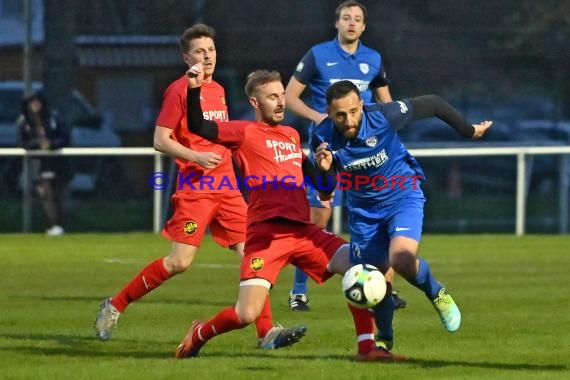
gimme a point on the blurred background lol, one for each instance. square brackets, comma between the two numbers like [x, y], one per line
[105, 64]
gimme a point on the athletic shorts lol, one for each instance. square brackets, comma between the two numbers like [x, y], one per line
[224, 213]
[272, 245]
[372, 228]
[314, 200]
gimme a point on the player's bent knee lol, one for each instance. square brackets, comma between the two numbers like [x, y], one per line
[340, 262]
[252, 296]
[177, 264]
[247, 313]
[404, 263]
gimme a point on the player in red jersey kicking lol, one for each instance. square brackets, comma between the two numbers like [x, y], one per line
[279, 231]
[195, 207]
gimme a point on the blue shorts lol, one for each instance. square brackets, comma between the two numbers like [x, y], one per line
[314, 201]
[372, 228]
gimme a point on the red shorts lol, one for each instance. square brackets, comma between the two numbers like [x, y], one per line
[224, 213]
[272, 245]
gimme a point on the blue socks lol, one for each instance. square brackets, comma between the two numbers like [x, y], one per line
[383, 316]
[300, 285]
[425, 280]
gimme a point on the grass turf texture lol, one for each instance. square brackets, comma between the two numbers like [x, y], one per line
[513, 294]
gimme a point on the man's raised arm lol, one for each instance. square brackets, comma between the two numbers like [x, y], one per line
[196, 123]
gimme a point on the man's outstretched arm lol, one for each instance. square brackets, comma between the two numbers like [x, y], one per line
[432, 105]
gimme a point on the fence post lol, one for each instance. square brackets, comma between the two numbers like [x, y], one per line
[563, 194]
[27, 194]
[157, 197]
[521, 196]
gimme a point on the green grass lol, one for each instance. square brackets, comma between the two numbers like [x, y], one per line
[513, 293]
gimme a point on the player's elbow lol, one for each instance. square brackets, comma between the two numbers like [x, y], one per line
[158, 144]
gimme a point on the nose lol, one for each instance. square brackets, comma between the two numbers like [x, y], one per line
[351, 122]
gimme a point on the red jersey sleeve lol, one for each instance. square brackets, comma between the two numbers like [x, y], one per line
[232, 133]
[173, 108]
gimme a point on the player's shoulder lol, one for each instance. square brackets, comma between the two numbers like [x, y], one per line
[324, 127]
[376, 111]
[373, 107]
[178, 86]
[368, 51]
[324, 47]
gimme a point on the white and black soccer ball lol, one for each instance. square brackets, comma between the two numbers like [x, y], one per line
[364, 286]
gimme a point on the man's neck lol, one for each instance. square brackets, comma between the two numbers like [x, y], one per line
[349, 47]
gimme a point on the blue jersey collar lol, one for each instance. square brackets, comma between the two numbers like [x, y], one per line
[342, 52]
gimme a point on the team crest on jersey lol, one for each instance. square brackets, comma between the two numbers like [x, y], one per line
[256, 263]
[300, 67]
[190, 227]
[364, 68]
[372, 141]
[293, 139]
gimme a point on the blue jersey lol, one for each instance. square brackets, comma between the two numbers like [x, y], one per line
[327, 63]
[375, 167]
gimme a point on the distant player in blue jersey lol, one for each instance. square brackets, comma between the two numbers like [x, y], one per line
[383, 186]
[344, 57]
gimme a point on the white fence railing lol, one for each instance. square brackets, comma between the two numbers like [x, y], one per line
[523, 155]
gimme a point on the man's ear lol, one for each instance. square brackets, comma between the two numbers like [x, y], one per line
[186, 58]
[253, 101]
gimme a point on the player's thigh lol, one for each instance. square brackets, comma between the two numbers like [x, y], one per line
[314, 250]
[192, 213]
[406, 220]
[369, 240]
[228, 227]
[267, 250]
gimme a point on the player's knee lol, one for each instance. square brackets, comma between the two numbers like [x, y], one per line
[404, 263]
[238, 249]
[247, 313]
[177, 264]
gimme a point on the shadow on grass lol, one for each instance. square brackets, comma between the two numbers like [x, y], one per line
[83, 346]
[426, 363]
[77, 340]
[97, 300]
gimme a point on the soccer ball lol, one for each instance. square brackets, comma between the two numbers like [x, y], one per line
[364, 286]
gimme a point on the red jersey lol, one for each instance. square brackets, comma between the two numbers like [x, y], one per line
[267, 155]
[173, 115]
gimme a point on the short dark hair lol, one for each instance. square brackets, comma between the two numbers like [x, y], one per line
[340, 89]
[348, 4]
[193, 32]
[259, 78]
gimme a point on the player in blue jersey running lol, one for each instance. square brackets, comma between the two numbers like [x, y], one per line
[344, 57]
[384, 197]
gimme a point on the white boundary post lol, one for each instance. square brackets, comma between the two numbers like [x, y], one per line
[521, 194]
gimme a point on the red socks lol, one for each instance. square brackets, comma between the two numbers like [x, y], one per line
[264, 322]
[226, 320]
[147, 280]
[364, 326]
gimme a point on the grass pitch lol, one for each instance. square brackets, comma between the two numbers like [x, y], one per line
[513, 294]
